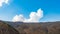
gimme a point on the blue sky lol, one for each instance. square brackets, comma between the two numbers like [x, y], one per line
[51, 9]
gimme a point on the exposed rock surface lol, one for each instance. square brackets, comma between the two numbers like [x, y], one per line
[39, 28]
[30, 28]
[7, 29]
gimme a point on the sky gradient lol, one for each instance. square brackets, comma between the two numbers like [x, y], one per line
[51, 9]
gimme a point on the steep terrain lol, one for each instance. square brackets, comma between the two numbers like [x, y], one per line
[30, 28]
[39, 28]
[7, 29]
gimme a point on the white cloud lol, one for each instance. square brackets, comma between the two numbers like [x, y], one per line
[18, 18]
[3, 1]
[33, 17]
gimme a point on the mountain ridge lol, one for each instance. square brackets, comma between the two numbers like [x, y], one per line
[36, 28]
[7, 29]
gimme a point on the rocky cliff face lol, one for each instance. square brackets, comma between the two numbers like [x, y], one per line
[7, 29]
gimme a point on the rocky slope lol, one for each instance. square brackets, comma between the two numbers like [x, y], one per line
[30, 28]
[7, 29]
[39, 28]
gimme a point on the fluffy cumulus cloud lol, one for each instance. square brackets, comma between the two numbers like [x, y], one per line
[18, 18]
[33, 17]
[3, 1]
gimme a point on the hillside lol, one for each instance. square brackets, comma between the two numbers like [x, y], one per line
[39, 28]
[7, 29]
[31, 28]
